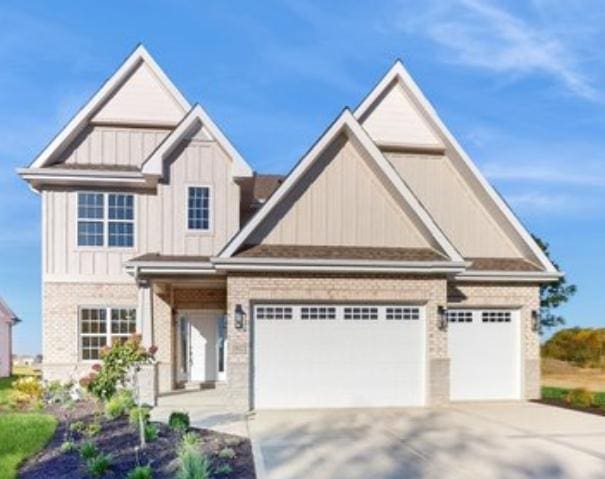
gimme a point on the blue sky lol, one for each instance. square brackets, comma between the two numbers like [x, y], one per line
[519, 83]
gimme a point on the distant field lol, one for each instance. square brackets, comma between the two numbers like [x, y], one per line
[560, 374]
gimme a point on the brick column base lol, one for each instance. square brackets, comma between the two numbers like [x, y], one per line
[439, 382]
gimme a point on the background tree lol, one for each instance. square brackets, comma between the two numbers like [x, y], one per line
[553, 295]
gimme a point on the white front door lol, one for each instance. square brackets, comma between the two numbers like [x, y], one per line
[485, 354]
[338, 355]
[204, 346]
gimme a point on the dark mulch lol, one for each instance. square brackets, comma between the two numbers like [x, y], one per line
[562, 404]
[121, 440]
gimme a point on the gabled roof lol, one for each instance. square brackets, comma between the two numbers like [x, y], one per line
[6, 313]
[398, 73]
[195, 118]
[347, 123]
[81, 119]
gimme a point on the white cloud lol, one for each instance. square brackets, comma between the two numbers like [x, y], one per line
[481, 34]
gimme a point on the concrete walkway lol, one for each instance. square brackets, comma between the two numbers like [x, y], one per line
[206, 410]
[520, 440]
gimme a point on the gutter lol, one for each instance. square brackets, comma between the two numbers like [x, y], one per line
[58, 176]
[516, 276]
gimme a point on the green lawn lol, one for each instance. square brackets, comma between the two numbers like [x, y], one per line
[21, 435]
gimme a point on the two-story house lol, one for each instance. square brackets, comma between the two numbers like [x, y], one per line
[383, 270]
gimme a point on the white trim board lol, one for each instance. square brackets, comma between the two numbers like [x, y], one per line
[195, 117]
[345, 123]
[82, 117]
[399, 73]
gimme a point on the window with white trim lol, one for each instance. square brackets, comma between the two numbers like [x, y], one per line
[318, 312]
[496, 316]
[459, 316]
[198, 208]
[273, 312]
[402, 313]
[106, 219]
[100, 327]
[361, 312]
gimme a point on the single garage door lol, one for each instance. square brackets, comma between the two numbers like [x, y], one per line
[485, 354]
[329, 356]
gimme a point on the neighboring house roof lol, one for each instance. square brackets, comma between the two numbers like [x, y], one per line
[254, 191]
[103, 95]
[398, 73]
[6, 313]
[345, 123]
[196, 118]
[340, 252]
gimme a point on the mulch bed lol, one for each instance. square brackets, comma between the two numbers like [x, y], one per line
[562, 404]
[121, 440]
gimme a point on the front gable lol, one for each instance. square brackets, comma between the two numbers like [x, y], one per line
[343, 200]
[343, 192]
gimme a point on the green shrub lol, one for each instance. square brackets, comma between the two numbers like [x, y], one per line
[192, 464]
[67, 446]
[119, 404]
[559, 394]
[98, 465]
[88, 450]
[59, 393]
[190, 439]
[226, 453]
[29, 386]
[140, 472]
[118, 361]
[223, 470]
[78, 426]
[580, 397]
[151, 432]
[179, 421]
[137, 413]
[92, 429]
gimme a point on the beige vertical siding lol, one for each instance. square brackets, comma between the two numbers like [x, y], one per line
[160, 218]
[113, 146]
[395, 119]
[454, 205]
[341, 201]
[141, 99]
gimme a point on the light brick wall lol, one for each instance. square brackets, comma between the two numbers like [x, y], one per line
[244, 288]
[524, 297]
[60, 327]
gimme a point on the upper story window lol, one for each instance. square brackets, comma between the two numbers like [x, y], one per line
[106, 219]
[198, 208]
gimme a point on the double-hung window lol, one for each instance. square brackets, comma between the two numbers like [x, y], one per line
[106, 219]
[198, 208]
[100, 327]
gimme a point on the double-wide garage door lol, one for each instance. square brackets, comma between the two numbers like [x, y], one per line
[330, 355]
[485, 354]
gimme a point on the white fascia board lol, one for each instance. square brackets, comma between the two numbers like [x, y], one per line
[345, 122]
[399, 72]
[79, 121]
[194, 118]
[508, 276]
[38, 176]
[137, 268]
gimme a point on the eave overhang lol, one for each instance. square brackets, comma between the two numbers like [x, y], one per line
[39, 177]
[510, 276]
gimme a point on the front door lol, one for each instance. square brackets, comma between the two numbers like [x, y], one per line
[205, 346]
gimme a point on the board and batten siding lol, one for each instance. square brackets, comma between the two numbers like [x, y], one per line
[160, 218]
[341, 202]
[454, 205]
[113, 146]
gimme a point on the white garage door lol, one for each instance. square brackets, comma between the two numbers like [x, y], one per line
[326, 355]
[485, 354]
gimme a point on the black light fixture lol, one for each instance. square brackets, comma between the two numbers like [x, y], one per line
[442, 317]
[535, 320]
[239, 317]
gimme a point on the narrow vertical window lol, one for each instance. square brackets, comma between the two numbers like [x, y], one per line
[91, 213]
[198, 208]
[121, 220]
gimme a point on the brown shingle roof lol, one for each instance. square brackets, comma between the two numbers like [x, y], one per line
[254, 192]
[170, 258]
[340, 252]
[501, 264]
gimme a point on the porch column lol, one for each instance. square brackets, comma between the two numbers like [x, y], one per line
[145, 313]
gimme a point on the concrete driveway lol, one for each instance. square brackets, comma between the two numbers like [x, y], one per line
[520, 440]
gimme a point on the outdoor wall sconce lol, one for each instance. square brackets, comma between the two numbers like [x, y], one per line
[442, 317]
[535, 320]
[239, 317]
